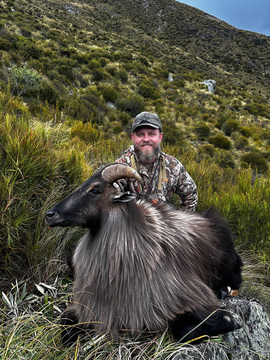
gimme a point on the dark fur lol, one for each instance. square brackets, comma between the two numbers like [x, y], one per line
[144, 266]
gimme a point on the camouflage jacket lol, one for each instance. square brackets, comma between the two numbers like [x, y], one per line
[165, 177]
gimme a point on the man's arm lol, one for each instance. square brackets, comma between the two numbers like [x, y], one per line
[187, 190]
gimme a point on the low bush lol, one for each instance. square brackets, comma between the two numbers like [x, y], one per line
[220, 141]
[86, 132]
[258, 109]
[24, 80]
[256, 160]
[229, 127]
[241, 143]
[99, 74]
[122, 75]
[173, 135]
[148, 91]
[208, 150]
[133, 104]
[79, 108]
[224, 159]
[202, 131]
[245, 131]
[108, 92]
[48, 92]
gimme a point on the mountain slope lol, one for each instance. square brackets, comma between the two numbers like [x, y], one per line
[165, 28]
[102, 62]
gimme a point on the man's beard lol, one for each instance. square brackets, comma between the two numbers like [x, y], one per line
[147, 155]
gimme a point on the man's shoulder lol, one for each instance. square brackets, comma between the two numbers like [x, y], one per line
[125, 157]
[169, 159]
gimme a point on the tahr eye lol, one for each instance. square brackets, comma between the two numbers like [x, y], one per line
[94, 191]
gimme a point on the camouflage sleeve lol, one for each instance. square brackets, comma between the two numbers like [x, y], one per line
[186, 189]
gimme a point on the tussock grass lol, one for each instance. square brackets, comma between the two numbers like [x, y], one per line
[30, 330]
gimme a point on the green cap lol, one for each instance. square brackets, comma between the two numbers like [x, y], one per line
[146, 119]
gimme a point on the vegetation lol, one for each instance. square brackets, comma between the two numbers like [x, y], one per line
[67, 99]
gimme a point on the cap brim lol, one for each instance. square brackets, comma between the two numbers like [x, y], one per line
[146, 124]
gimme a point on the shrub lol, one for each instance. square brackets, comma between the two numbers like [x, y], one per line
[48, 92]
[133, 104]
[99, 74]
[245, 131]
[266, 135]
[122, 75]
[4, 44]
[111, 69]
[23, 80]
[108, 92]
[28, 49]
[225, 159]
[122, 56]
[148, 91]
[241, 143]
[86, 132]
[256, 161]
[229, 127]
[202, 131]
[139, 67]
[26, 32]
[173, 135]
[94, 64]
[120, 117]
[222, 119]
[220, 141]
[103, 61]
[180, 83]
[207, 149]
[257, 109]
[80, 109]
[67, 70]
[143, 60]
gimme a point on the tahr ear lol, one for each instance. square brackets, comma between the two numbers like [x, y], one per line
[124, 197]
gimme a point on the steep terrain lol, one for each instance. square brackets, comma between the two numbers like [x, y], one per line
[102, 62]
[168, 29]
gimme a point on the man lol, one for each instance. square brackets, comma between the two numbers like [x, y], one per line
[162, 174]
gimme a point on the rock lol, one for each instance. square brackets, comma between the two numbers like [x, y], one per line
[211, 85]
[170, 78]
[251, 342]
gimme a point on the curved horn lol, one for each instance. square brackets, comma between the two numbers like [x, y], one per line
[115, 172]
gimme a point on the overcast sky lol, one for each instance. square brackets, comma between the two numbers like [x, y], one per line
[252, 15]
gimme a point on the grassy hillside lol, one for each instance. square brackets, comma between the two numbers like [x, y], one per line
[72, 77]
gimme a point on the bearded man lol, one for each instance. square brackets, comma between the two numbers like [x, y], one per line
[163, 175]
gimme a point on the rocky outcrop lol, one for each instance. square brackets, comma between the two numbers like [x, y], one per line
[251, 342]
[211, 84]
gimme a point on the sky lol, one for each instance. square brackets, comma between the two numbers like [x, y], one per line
[252, 15]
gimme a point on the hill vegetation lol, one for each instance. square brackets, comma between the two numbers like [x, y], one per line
[72, 77]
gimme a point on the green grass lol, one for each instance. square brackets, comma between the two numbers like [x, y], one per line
[31, 330]
[41, 163]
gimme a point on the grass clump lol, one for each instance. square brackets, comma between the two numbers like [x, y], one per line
[30, 176]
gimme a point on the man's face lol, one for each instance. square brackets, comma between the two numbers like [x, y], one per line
[146, 142]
